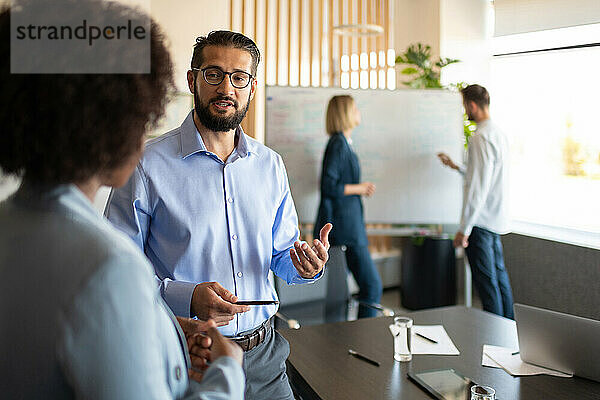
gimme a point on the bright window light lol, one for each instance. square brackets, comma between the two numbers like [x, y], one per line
[345, 62]
[547, 103]
[382, 58]
[345, 81]
[354, 62]
[391, 55]
[293, 77]
[354, 79]
[364, 61]
[391, 81]
[364, 77]
[373, 79]
[305, 74]
[382, 79]
[373, 58]
[315, 73]
[325, 72]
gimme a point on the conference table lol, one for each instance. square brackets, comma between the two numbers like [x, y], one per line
[320, 367]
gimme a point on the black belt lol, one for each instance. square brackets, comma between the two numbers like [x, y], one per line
[252, 339]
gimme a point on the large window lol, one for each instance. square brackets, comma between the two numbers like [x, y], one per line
[548, 103]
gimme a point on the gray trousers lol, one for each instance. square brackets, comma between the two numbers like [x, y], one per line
[264, 367]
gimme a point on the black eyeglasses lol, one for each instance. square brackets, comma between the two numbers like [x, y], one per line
[214, 76]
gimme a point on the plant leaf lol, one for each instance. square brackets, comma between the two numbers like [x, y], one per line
[445, 62]
[409, 71]
[418, 83]
[417, 57]
[401, 60]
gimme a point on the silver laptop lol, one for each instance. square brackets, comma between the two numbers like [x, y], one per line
[562, 342]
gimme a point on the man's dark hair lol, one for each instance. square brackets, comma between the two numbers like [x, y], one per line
[64, 128]
[477, 94]
[225, 39]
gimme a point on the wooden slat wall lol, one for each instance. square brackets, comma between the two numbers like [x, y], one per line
[317, 48]
[337, 79]
[330, 55]
[289, 42]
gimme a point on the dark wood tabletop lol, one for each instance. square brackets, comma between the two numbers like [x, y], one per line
[320, 365]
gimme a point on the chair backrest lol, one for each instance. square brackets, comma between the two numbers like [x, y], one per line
[323, 301]
[337, 294]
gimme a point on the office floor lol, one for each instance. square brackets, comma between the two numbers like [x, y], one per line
[391, 299]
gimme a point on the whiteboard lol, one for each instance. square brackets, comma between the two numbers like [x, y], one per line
[397, 141]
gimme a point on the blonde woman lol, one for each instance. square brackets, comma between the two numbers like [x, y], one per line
[341, 205]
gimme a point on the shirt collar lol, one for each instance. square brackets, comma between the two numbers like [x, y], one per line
[191, 141]
[341, 134]
[50, 195]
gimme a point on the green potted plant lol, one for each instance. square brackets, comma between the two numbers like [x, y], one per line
[425, 72]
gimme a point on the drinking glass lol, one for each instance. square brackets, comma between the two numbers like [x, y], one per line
[402, 331]
[479, 392]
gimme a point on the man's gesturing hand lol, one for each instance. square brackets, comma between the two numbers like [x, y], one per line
[210, 300]
[447, 161]
[309, 261]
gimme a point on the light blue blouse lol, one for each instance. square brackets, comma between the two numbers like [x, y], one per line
[81, 316]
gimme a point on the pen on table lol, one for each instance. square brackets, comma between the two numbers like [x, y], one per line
[361, 357]
[514, 353]
[426, 338]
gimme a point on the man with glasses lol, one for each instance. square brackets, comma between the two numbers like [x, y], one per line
[212, 210]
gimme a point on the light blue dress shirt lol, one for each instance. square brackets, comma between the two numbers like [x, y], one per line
[199, 219]
[81, 316]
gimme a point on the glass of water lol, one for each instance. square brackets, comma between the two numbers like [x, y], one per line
[479, 392]
[402, 331]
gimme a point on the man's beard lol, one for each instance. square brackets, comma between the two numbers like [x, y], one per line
[217, 123]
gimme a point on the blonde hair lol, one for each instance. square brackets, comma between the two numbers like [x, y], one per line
[340, 114]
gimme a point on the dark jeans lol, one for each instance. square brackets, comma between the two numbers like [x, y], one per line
[366, 276]
[489, 275]
[264, 367]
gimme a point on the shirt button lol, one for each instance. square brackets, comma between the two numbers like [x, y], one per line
[234, 237]
[230, 200]
[178, 372]
[239, 274]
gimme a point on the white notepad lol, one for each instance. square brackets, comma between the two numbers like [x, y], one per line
[444, 345]
[502, 357]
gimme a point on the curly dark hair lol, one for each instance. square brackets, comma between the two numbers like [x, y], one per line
[66, 128]
[226, 39]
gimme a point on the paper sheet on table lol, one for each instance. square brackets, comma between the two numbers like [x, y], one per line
[444, 345]
[502, 357]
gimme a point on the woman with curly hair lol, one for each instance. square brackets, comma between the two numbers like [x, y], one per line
[81, 314]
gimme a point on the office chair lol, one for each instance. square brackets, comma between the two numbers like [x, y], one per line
[338, 300]
[327, 300]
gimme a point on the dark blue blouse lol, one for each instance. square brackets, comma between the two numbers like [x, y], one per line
[341, 167]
